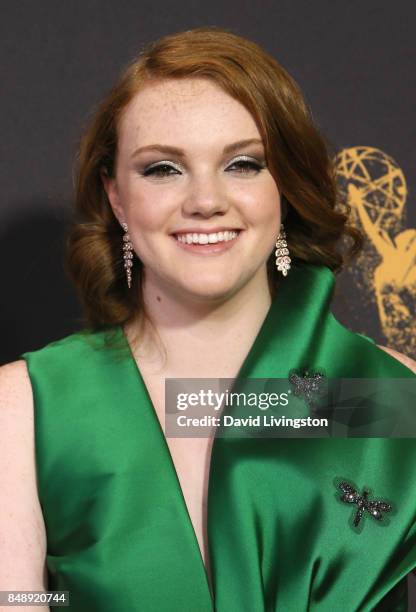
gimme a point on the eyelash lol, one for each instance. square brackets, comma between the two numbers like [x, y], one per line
[241, 163]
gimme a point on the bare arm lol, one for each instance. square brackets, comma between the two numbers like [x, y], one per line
[407, 361]
[22, 528]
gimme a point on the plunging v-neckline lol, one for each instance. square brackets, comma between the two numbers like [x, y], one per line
[256, 364]
[242, 371]
[173, 471]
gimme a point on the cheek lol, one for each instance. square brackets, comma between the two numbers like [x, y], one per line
[264, 215]
[146, 218]
[264, 209]
[147, 212]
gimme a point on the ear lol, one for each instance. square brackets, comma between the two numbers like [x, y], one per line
[111, 189]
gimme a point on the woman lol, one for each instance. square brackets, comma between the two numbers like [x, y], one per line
[185, 174]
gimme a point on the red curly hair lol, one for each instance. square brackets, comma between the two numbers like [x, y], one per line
[297, 155]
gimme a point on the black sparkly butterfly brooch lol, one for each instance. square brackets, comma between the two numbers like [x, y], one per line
[307, 384]
[375, 508]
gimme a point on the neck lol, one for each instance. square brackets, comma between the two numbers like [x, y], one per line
[203, 338]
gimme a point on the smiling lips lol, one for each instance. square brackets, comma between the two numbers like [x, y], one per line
[203, 238]
[203, 242]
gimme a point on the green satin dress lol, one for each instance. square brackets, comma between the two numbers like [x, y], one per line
[119, 536]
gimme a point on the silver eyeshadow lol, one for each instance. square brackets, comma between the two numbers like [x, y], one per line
[260, 163]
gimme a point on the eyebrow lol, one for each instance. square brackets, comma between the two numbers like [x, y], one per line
[180, 153]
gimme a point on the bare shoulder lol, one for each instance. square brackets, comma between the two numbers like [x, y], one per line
[15, 381]
[407, 361]
[22, 560]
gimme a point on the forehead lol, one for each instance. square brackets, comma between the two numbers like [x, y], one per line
[184, 110]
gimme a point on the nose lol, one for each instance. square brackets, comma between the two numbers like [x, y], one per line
[206, 197]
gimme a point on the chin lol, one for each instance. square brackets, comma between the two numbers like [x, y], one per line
[211, 291]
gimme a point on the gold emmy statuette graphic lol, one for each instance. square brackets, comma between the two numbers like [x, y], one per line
[374, 186]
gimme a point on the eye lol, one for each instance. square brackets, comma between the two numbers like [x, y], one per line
[246, 166]
[161, 170]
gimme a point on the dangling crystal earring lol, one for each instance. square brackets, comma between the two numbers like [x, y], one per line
[282, 252]
[128, 253]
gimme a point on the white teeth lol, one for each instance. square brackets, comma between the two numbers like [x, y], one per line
[206, 238]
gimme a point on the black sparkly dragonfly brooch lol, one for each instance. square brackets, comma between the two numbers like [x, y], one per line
[375, 508]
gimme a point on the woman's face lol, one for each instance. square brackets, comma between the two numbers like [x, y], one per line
[184, 174]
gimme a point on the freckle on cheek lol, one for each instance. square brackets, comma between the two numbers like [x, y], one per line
[158, 298]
